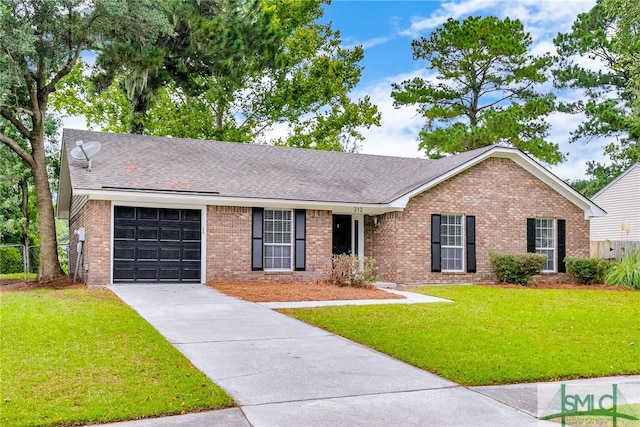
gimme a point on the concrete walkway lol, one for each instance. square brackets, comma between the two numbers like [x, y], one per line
[283, 372]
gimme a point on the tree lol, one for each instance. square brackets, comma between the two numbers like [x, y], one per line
[40, 42]
[628, 47]
[18, 213]
[608, 88]
[301, 80]
[484, 90]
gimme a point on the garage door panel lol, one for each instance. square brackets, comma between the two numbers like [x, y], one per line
[125, 232]
[147, 253]
[123, 272]
[191, 254]
[169, 273]
[170, 234]
[170, 253]
[191, 216]
[191, 274]
[191, 235]
[148, 213]
[156, 245]
[124, 253]
[148, 233]
[146, 273]
[172, 215]
[125, 212]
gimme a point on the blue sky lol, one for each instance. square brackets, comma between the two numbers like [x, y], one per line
[386, 28]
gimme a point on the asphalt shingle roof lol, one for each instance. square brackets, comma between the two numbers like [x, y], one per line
[128, 161]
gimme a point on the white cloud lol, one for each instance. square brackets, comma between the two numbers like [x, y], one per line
[447, 10]
[375, 41]
[398, 134]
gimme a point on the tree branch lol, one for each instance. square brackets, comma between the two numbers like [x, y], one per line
[71, 62]
[17, 110]
[4, 112]
[24, 154]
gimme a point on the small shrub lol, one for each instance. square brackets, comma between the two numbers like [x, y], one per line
[10, 260]
[626, 271]
[587, 271]
[348, 271]
[516, 268]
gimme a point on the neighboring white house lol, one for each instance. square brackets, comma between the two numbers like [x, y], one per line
[621, 200]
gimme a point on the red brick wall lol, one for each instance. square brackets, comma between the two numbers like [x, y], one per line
[229, 247]
[498, 192]
[501, 195]
[95, 217]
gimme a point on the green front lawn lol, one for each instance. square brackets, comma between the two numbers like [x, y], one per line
[499, 335]
[80, 357]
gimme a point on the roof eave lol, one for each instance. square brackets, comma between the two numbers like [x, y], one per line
[189, 199]
[63, 202]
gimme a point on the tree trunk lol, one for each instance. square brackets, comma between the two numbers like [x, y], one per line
[49, 265]
[24, 188]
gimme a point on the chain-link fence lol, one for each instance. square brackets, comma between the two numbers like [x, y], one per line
[22, 260]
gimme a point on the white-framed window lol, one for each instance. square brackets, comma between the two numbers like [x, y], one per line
[546, 241]
[278, 239]
[452, 242]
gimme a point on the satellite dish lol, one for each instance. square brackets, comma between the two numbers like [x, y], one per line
[85, 151]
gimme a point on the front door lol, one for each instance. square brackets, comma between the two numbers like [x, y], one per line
[341, 234]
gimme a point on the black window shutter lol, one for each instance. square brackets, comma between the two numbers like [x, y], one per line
[256, 239]
[471, 244]
[531, 235]
[301, 231]
[435, 243]
[562, 246]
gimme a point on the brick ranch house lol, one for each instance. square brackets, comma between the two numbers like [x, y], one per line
[161, 209]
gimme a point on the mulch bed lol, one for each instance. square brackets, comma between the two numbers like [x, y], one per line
[292, 292]
[62, 282]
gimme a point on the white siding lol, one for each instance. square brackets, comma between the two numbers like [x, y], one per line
[621, 200]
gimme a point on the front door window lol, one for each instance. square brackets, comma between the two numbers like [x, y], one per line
[342, 234]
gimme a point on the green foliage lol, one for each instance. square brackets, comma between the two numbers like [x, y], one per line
[18, 208]
[609, 94]
[91, 360]
[494, 335]
[40, 42]
[587, 271]
[347, 270]
[483, 92]
[626, 271]
[516, 268]
[10, 260]
[300, 78]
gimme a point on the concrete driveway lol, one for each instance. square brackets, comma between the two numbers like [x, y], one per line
[283, 372]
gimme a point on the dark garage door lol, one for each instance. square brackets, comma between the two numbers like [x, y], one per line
[156, 245]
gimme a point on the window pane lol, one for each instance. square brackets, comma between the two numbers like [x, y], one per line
[277, 239]
[451, 241]
[545, 241]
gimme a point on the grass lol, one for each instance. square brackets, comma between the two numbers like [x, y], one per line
[499, 335]
[78, 357]
[17, 276]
